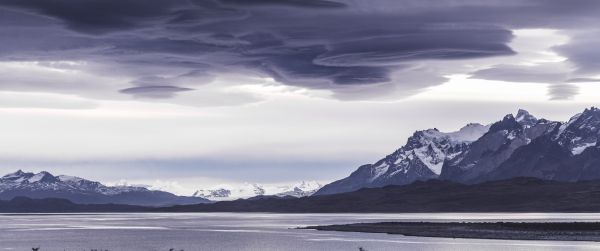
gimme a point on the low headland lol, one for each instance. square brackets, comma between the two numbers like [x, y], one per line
[559, 231]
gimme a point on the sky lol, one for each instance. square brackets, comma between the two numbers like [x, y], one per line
[189, 94]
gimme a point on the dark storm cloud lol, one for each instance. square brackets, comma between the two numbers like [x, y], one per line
[97, 16]
[320, 44]
[296, 66]
[418, 45]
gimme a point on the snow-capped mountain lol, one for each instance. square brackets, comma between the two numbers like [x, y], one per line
[515, 146]
[79, 190]
[496, 146]
[421, 158]
[301, 189]
[568, 152]
[44, 181]
[230, 192]
[248, 190]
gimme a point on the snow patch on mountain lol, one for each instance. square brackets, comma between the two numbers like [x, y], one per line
[579, 149]
[71, 179]
[431, 156]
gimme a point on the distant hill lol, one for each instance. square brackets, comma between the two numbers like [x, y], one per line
[45, 185]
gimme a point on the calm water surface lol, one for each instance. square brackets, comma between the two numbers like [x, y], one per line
[251, 231]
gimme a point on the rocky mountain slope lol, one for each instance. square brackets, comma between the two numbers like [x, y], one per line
[496, 146]
[568, 152]
[421, 158]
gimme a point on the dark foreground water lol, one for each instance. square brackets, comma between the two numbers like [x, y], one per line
[251, 231]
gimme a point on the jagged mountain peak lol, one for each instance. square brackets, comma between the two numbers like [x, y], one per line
[581, 132]
[31, 179]
[590, 113]
[508, 123]
[471, 125]
[432, 147]
[467, 133]
[587, 114]
[525, 118]
[568, 153]
[43, 176]
[19, 173]
[491, 150]
[589, 118]
[28, 177]
[522, 113]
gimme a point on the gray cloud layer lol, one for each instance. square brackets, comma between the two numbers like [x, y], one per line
[341, 46]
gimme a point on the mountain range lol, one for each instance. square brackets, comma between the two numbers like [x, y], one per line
[248, 190]
[82, 191]
[512, 195]
[518, 145]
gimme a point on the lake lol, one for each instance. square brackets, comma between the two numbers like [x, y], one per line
[252, 231]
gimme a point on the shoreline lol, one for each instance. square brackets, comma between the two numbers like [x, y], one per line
[556, 231]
